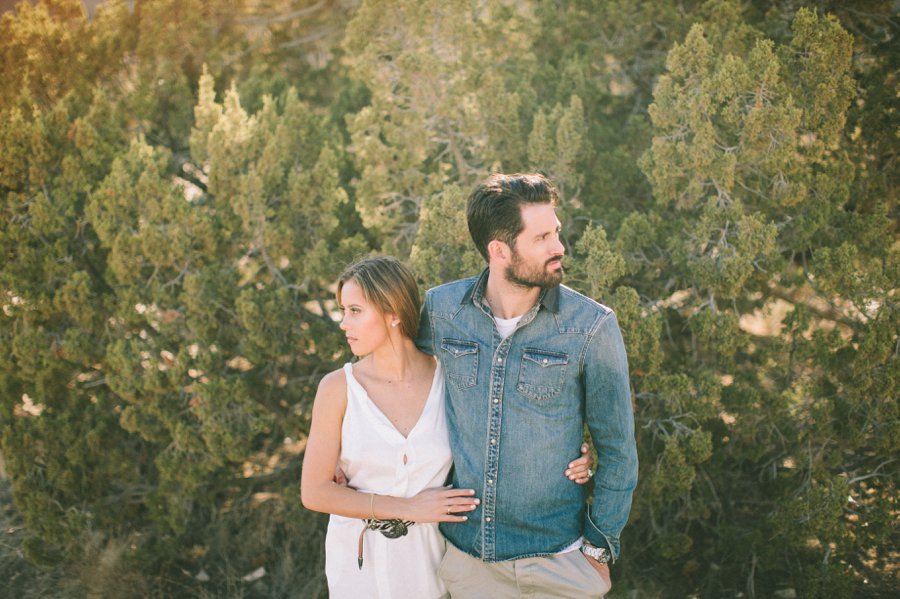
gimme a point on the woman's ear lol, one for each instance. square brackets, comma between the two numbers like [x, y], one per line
[391, 319]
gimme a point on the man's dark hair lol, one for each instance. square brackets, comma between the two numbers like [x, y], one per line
[494, 210]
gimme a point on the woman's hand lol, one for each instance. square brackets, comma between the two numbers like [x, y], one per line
[580, 470]
[440, 505]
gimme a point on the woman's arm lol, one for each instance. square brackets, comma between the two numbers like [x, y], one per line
[319, 493]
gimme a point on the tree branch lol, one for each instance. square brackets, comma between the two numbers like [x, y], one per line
[265, 21]
[793, 297]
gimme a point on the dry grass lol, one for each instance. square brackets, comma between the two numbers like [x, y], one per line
[268, 531]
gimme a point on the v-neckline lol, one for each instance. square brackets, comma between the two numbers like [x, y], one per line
[374, 407]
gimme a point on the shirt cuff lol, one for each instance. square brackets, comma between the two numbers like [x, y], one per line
[597, 538]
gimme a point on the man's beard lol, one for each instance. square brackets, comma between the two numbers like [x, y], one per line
[518, 273]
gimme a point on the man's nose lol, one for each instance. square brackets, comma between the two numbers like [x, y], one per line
[559, 248]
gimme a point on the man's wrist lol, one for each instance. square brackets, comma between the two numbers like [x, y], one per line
[601, 554]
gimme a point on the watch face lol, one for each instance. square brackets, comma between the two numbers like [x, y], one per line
[600, 554]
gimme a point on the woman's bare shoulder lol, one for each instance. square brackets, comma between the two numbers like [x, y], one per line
[333, 385]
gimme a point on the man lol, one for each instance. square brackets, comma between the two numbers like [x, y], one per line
[527, 362]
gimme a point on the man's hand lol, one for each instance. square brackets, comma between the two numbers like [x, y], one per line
[602, 570]
[340, 478]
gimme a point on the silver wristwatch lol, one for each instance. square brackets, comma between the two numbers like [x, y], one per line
[601, 554]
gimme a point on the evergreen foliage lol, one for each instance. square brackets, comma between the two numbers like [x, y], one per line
[181, 183]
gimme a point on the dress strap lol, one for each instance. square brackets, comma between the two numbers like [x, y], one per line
[355, 392]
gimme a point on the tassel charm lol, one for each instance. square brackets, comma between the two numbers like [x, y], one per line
[392, 529]
[359, 554]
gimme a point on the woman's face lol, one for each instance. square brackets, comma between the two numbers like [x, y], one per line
[365, 326]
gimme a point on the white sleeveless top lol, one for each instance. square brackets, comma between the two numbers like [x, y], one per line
[372, 452]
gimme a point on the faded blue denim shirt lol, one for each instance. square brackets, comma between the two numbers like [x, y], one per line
[516, 410]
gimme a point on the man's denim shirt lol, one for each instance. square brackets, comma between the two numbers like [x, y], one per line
[516, 410]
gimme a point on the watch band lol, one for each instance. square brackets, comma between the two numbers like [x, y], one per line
[601, 554]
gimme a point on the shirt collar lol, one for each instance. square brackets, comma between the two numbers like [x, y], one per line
[549, 297]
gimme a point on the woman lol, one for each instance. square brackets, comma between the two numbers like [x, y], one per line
[381, 421]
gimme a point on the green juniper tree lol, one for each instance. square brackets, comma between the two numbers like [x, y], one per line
[167, 258]
[750, 165]
[181, 182]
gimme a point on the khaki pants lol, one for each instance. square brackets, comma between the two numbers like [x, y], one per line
[568, 575]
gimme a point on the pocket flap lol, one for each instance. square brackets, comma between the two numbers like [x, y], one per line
[544, 358]
[458, 348]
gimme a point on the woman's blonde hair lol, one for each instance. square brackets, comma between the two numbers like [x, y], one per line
[390, 286]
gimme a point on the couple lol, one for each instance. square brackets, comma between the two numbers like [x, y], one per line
[522, 364]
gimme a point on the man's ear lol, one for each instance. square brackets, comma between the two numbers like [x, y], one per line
[498, 251]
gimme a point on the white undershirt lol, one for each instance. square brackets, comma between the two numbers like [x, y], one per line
[573, 547]
[506, 326]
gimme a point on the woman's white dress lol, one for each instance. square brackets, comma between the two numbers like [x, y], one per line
[372, 457]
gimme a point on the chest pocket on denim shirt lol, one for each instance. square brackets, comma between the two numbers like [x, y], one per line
[541, 374]
[460, 362]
